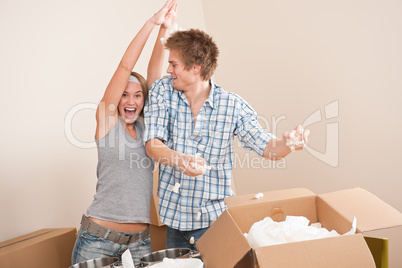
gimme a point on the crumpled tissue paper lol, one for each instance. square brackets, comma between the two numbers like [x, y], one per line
[293, 141]
[295, 228]
[198, 167]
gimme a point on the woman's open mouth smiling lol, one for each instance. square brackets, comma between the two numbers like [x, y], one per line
[130, 112]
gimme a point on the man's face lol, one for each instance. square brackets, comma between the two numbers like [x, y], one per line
[182, 78]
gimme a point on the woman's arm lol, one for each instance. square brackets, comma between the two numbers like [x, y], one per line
[158, 54]
[107, 112]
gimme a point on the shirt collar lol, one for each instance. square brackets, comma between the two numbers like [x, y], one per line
[211, 97]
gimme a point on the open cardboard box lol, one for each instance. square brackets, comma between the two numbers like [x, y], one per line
[224, 244]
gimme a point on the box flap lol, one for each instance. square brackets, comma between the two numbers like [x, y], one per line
[241, 200]
[246, 209]
[25, 237]
[342, 251]
[331, 219]
[370, 211]
[30, 239]
[223, 244]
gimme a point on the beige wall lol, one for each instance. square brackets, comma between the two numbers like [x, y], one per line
[288, 59]
[57, 56]
[292, 58]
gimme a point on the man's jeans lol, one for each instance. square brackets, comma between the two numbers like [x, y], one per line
[181, 239]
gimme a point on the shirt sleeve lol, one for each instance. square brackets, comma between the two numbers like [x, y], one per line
[250, 133]
[156, 113]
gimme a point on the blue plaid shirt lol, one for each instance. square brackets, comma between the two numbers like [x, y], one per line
[168, 117]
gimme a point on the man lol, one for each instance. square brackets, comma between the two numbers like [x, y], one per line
[187, 114]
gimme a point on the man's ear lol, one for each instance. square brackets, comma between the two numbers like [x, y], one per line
[196, 69]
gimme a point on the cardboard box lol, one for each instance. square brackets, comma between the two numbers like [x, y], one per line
[157, 228]
[379, 250]
[154, 214]
[158, 237]
[43, 248]
[224, 244]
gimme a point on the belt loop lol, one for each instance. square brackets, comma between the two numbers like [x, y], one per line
[106, 236]
[117, 239]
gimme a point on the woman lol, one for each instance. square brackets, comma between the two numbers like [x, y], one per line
[118, 218]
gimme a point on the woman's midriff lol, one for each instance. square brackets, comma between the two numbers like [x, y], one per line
[121, 227]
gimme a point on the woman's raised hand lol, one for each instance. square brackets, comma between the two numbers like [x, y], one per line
[166, 13]
[170, 17]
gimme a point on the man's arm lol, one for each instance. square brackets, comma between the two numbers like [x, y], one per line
[158, 151]
[277, 149]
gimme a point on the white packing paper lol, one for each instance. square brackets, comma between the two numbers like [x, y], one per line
[127, 259]
[176, 188]
[198, 167]
[293, 141]
[259, 195]
[295, 228]
[179, 263]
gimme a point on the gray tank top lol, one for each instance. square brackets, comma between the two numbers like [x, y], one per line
[124, 187]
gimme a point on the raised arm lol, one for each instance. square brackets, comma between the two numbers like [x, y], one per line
[155, 65]
[107, 112]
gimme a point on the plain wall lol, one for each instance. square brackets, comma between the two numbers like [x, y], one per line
[288, 59]
[56, 59]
